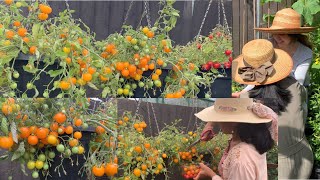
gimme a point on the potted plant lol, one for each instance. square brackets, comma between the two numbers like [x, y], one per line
[128, 153]
[47, 136]
[202, 68]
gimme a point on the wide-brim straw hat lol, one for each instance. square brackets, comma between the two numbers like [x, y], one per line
[286, 21]
[236, 110]
[255, 54]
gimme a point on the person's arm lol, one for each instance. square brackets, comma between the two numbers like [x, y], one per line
[301, 71]
[207, 132]
[205, 171]
[246, 89]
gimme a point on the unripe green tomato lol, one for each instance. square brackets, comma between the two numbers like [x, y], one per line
[18, 4]
[45, 94]
[46, 166]
[29, 85]
[127, 86]
[60, 148]
[75, 150]
[67, 153]
[141, 84]
[42, 157]
[85, 125]
[51, 154]
[35, 174]
[134, 86]
[136, 47]
[120, 91]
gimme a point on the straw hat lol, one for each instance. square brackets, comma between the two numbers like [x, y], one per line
[286, 21]
[231, 110]
[261, 64]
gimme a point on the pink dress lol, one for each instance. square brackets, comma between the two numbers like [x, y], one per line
[241, 161]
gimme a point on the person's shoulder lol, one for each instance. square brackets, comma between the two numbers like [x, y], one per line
[305, 51]
[245, 152]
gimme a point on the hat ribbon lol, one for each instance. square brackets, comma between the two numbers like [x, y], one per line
[260, 74]
[263, 111]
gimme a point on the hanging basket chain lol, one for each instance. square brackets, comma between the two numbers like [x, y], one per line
[155, 118]
[68, 8]
[204, 19]
[148, 112]
[147, 10]
[127, 16]
[225, 22]
[138, 107]
[219, 14]
[143, 14]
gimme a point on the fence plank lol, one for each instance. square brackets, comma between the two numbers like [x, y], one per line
[236, 30]
[243, 35]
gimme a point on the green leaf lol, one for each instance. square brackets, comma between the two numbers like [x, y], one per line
[61, 54]
[54, 73]
[267, 1]
[4, 157]
[4, 126]
[175, 13]
[315, 66]
[266, 17]
[14, 132]
[35, 30]
[92, 86]
[33, 70]
[105, 92]
[19, 152]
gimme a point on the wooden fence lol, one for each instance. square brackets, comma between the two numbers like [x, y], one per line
[107, 17]
[158, 115]
[243, 20]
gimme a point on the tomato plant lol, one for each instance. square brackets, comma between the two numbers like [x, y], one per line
[35, 131]
[140, 156]
[200, 62]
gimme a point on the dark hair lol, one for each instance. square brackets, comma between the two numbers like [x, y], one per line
[273, 96]
[303, 39]
[256, 134]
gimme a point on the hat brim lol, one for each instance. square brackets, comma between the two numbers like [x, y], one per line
[210, 115]
[286, 30]
[282, 65]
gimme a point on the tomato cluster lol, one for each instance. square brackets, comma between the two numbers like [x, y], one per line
[190, 171]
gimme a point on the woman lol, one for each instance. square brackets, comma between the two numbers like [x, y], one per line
[286, 35]
[253, 127]
[286, 96]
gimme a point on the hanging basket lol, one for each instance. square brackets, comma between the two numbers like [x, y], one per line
[25, 77]
[72, 167]
[220, 88]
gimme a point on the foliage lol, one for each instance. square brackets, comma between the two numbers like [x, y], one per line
[309, 9]
[35, 131]
[268, 1]
[151, 156]
[200, 62]
[116, 66]
[272, 157]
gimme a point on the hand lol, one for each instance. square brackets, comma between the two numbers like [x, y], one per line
[207, 132]
[236, 95]
[205, 171]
